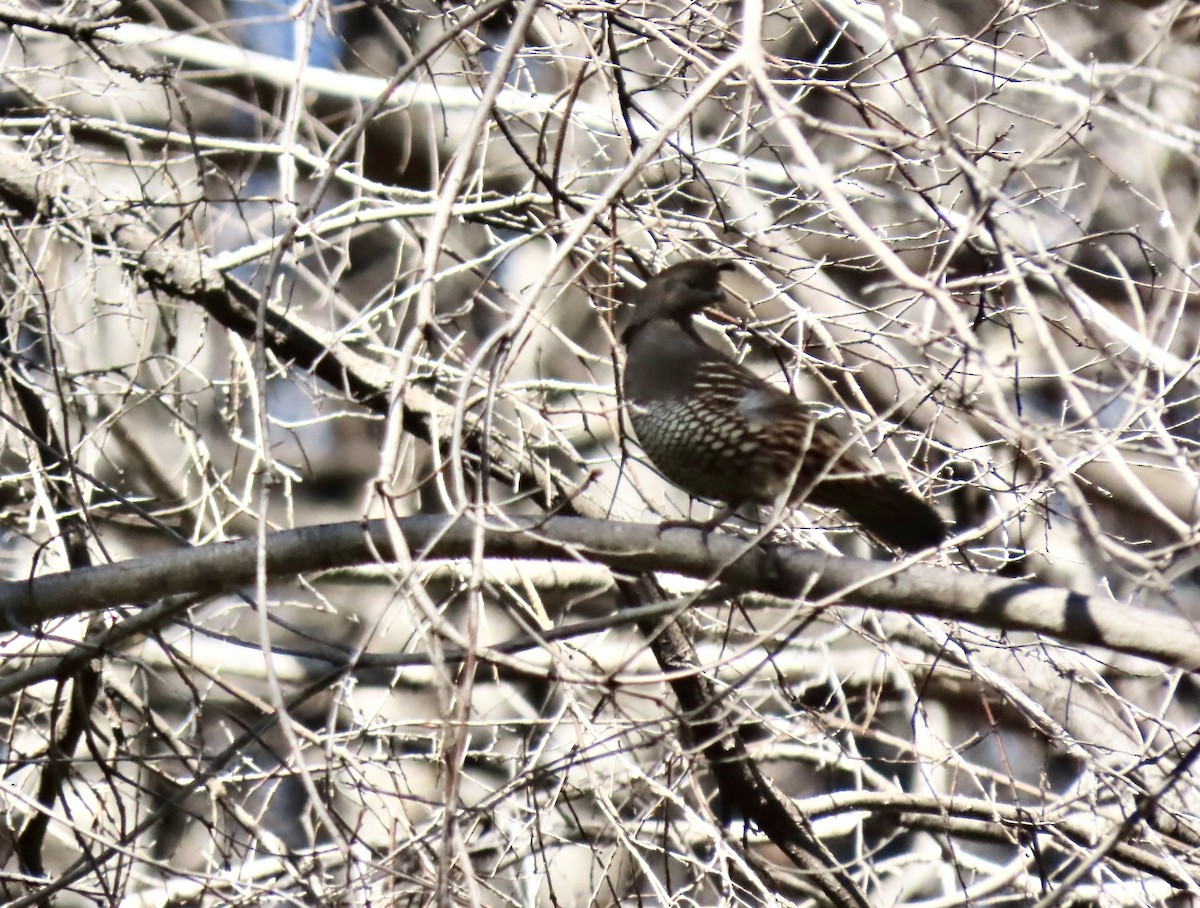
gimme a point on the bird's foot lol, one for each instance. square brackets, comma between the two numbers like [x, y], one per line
[704, 526]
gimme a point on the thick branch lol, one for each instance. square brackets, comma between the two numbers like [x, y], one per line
[628, 547]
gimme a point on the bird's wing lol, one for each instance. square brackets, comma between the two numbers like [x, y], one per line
[764, 405]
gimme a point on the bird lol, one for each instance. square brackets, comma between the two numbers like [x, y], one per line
[720, 432]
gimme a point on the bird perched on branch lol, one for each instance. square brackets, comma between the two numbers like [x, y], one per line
[718, 431]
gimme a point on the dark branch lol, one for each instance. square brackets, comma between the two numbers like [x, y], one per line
[628, 547]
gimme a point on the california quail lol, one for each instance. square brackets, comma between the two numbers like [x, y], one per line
[718, 431]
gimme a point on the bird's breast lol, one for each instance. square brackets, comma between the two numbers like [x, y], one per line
[713, 453]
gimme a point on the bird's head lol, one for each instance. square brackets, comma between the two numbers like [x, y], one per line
[679, 292]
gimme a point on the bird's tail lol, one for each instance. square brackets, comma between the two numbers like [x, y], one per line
[885, 508]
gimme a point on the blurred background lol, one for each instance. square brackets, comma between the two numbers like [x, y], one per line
[971, 225]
